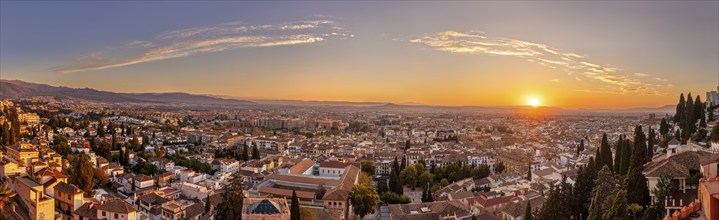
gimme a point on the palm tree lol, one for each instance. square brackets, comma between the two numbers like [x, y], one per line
[5, 194]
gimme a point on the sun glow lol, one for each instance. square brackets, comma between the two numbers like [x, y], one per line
[534, 101]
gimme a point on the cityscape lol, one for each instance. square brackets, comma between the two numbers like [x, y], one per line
[303, 110]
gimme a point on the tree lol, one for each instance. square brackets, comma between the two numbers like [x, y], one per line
[680, 109]
[651, 141]
[395, 183]
[255, 153]
[232, 199]
[409, 176]
[583, 190]
[404, 163]
[603, 192]
[581, 147]
[606, 152]
[618, 205]
[368, 167]
[426, 178]
[529, 172]
[363, 196]
[499, 168]
[393, 198]
[443, 183]
[528, 211]
[664, 188]
[382, 185]
[101, 175]
[639, 151]
[245, 154]
[557, 205]
[81, 174]
[407, 145]
[295, 207]
[618, 154]
[663, 127]
[637, 191]
[626, 156]
[6, 194]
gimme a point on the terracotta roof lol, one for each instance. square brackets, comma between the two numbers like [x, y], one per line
[69, 188]
[304, 179]
[117, 206]
[678, 165]
[302, 166]
[152, 198]
[87, 211]
[194, 210]
[342, 191]
[518, 208]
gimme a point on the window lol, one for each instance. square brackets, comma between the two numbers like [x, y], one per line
[103, 213]
[115, 215]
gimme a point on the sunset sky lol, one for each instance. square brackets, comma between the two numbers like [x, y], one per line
[564, 54]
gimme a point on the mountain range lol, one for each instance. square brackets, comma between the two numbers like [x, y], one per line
[16, 89]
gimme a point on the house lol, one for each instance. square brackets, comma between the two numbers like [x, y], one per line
[150, 203]
[23, 153]
[181, 209]
[516, 209]
[229, 165]
[116, 209]
[333, 168]
[32, 198]
[265, 208]
[68, 197]
[708, 196]
[679, 167]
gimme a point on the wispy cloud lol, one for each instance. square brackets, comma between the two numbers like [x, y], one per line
[615, 81]
[555, 80]
[207, 39]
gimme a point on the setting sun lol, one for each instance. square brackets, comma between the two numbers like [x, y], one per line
[534, 101]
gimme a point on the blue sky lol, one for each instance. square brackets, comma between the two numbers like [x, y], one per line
[454, 53]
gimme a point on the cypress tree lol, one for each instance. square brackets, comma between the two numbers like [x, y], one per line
[690, 119]
[255, 153]
[626, 156]
[698, 108]
[618, 154]
[663, 127]
[651, 141]
[680, 109]
[581, 147]
[245, 154]
[295, 207]
[528, 211]
[639, 151]
[529, 172]
[637, 190]
[606, 152]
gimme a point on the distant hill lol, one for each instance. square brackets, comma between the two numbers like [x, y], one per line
[16, 89]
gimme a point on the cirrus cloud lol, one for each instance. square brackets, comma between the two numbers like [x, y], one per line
[207, 39]
[614, 80]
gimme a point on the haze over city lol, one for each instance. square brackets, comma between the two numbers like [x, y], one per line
[561, 54]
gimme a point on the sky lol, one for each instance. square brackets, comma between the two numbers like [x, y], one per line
[564, 54]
